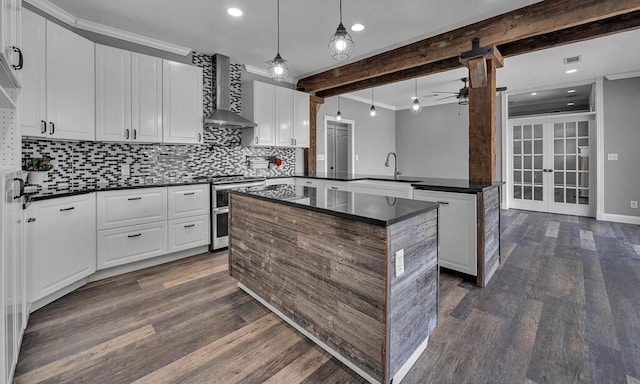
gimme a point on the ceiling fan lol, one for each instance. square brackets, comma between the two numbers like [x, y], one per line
[463, 93]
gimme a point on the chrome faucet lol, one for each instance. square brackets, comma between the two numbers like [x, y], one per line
[395, 165]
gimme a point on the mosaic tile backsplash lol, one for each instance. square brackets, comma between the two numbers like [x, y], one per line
[89, 163]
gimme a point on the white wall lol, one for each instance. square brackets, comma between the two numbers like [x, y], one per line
[622, 136]
[374, 138]
[434, 142]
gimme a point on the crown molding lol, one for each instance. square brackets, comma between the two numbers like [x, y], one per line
[368, 101]
[620, 76]
[67, 18]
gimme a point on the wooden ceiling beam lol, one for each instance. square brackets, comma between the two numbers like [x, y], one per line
[600, 28]
[540, 18]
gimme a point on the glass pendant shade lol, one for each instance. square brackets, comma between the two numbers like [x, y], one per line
[278, 69]
[339, 116]
[415, 106]
[341, 44]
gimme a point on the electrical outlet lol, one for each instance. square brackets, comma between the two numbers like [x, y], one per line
[400, 263]
[125, 170]
[634, 204]
[612, 156]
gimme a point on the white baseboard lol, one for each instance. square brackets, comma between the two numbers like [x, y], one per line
[402, 372]
[621, 218]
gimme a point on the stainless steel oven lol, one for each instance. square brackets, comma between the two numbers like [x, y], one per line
[220, 208]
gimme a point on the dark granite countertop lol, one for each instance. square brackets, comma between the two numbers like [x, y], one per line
[372, 209]
[426, 183]
[44, 194]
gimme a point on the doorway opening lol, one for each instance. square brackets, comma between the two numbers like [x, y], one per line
[339, 147]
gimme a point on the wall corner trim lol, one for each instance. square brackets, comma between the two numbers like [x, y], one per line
[64, 16]
[599, 148]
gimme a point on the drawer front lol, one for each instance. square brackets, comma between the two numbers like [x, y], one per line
[190, 200]
[188, 233]
[406, 193]
[126, 245]
[337, 185]
[303, 182]
[132, 206]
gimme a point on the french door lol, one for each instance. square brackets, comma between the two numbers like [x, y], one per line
[551, 162]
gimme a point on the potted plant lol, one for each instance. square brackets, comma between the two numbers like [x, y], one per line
[38, 168]
[274, 161]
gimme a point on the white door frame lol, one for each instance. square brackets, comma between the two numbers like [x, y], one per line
[351, 127]
[594, 137]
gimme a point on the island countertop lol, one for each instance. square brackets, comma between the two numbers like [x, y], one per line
[371, 209]
[418, 182]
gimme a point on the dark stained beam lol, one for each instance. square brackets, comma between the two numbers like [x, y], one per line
[482, 129]
[537, 19]
[310, 153]
[600, 28]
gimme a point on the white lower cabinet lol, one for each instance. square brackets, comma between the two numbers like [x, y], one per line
[61, 242]
[188, 200]
[304, 182]
[132, 243]
[456, 229]
[383, 188]
[188, 233]
[131, 206]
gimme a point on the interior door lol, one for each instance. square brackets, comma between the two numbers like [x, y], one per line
[551, 164]
[337, 156]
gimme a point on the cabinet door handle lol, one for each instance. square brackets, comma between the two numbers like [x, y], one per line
[21, 182]
[126, 134]
[66, 209]
[52, 128]
[443, 202]
[136, 235]
[199, 137]
[256, 139]
[190, 225]
[134, 198]
[20, 59]
[189, 193]
[295, 141]
[44, 126]
[31, 220]
[135, 134]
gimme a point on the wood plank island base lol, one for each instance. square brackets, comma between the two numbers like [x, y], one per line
[356, 273]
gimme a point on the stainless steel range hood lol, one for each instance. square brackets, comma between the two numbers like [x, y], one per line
[222, 116]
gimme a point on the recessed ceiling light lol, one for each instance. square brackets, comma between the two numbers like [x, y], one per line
[571, 91]
[534, 93]
[570, 104]
[357, 27]
[568, 71]
[235, 12]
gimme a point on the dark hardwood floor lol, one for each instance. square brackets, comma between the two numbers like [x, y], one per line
[563, 308]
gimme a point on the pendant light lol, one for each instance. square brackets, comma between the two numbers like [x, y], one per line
[415, 106]
[341, 44]
[278, 67]
[372, 110]
[339, 115]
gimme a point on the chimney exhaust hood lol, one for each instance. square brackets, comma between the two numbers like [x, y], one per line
[222, 116]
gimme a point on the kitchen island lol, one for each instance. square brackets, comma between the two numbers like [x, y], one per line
[358, 276]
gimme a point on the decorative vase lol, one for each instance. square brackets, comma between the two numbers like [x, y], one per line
[37, 177]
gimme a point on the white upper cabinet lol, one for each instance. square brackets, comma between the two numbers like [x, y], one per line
[68, 82]
[11, 53]
[258, 100]
[282, 116]
[182, 103]
[146, 98]
[300, 119]
[128, 96]
[33, 97]
[284, 126]
[113, 94]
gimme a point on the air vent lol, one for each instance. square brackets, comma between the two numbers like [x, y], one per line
[572, 59]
